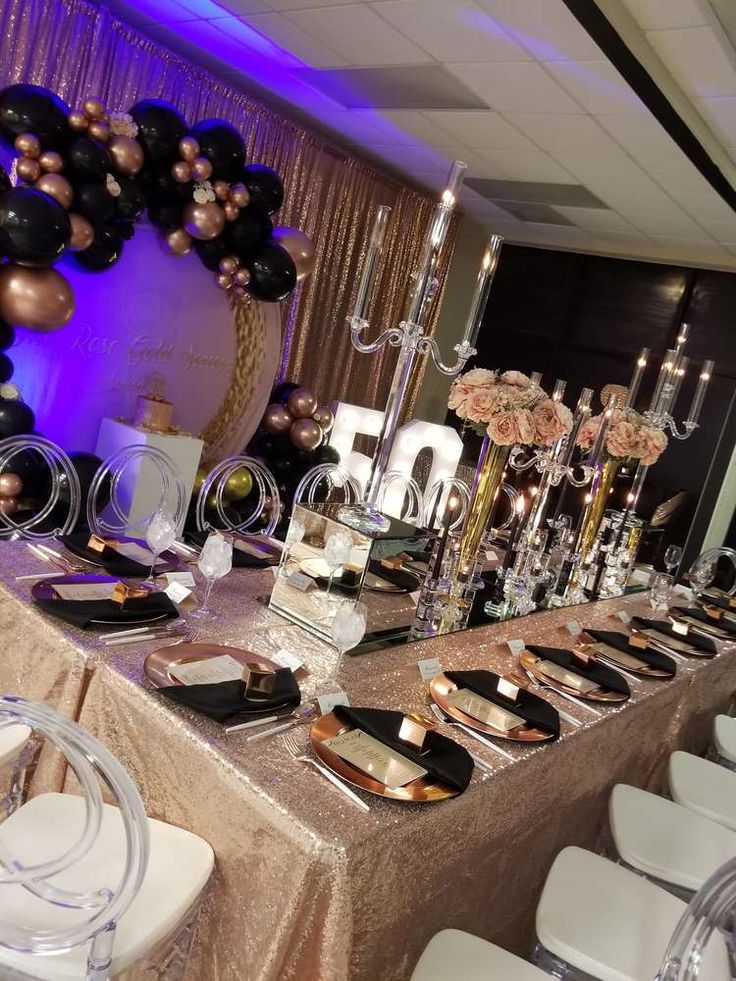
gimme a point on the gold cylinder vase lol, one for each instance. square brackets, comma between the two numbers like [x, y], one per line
[486, 488]
[600, 492]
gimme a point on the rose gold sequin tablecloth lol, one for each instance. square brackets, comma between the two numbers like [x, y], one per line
[308, 887]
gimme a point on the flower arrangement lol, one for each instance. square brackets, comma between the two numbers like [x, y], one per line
[629, 437]
[508, 407]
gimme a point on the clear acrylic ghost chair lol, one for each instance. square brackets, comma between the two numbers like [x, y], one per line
[164, 488]
[323, 480]
[456, 954]
[401, 497]
[88, 889]
[268, 502]
[706, 570]
[436, 498]
[597, 920]
[41, 523]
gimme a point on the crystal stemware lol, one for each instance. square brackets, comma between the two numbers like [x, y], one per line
[672, 556]
[160, 535]
[337, 552]
[661, 589]
[215, 561]
[348, 625]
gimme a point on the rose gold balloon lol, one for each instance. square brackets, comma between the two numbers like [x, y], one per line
[179, 241]
[277, 418]
[51, 162]
[239, 291]
[230, 210]
[299, 246]
[229, 264]
[181, 172]
[325, 418]
[37, 299]
[201, 169]
[204, 221]
[99, 130]
[301, 403]
[77, 121]
[239, 195]
[28, 170]
[305, 434]
[83, 234]
[242, 277]
[28, 145]
[10, 485]
[222, 190]
[93, 109]
[224, 281]
[126, 153]
[188, 148]
[57, 187]
[8, 505]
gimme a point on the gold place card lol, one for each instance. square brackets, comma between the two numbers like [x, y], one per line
[372, 757]
[208, 671]
[565, 677]
[623, 658]
[673, 643]
[484, 711]
[85, 590]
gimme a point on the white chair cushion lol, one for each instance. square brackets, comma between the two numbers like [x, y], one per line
[704, 787]
[12, 740]
[179, 867]
[724, 736]
[610, 923]
[665, 840]
[455, 954]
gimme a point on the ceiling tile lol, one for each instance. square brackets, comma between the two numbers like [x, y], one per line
[430, 160]
[416, 128]
[457, 31]
[358, 34]
[619, 182]
[540, 192]
[515, 87]
[559, 132]
[722, 231]
[302, 4]
[598, 220]
[697, 60]
[523, 166]
[357, 126]
[673, 171]
[244, 7]
[640, 135]
[480, 129]
[720, 114]
[540, 214]
[545, 28]
[597, 86]
[652, 15]
[394, 87]
[679, 226]
[704, 205]
[284, 33]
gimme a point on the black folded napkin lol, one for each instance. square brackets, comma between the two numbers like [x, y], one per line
[697, 614]
[600, 674]
[531, 708]
[397, 577]
[241, 559]
[698, 641]
[718, 599]
[82, 613]
[655, 659]
[112, 561]
[445, 760]
[224, 701]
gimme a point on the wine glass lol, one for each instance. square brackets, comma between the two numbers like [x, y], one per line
[661, 588]
[160, 534]
[672, 556]
[348, 626]
[337, 552]
[215, 561]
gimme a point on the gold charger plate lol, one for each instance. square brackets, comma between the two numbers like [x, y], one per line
[439, 688]
[529, 662]
[158, 664]
[421, 790]
[44, 590]
[611, 653]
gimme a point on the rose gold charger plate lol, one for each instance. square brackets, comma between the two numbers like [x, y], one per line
[528, 661]
[158, 664]
[44, 590]
[421, 790]
[440, 687]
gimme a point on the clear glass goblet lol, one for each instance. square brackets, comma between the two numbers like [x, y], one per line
[215, 561]
[160, 535]
[337, 552]
[661, 589]
[672, 556]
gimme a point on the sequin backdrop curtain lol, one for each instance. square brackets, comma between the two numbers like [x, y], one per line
[80, 50]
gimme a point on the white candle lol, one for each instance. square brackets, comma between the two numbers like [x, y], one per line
[483, 284]
[558, 391]
[635, 383]
[682, 337]
[536, 378]
[600, 441]
[703, 381]
[370, 266]
[664, 378]
[582, 411]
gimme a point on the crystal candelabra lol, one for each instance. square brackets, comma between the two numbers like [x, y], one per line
[410, 335]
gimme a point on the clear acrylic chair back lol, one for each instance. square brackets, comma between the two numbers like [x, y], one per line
[321, 482]
[59, 512]
[264, 510]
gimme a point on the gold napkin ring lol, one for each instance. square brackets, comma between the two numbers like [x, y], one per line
[413, 731]
[259, 682]
[123, 593]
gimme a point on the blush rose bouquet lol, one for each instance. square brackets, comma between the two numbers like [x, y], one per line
[509, 408]
[629, 437]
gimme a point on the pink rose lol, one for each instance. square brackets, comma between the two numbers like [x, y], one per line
[477, 377]
[481, 404]
[652, 443]
[525, 425]
[503, 428]
[517, 379]
[552, 421]
[458, 398]
[622, 439]
[588, 432]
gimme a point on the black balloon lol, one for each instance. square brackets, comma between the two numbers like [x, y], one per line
[247, 232]
[222, 145]
[32, 109]
[88, 159]
[16, 418]
[264, 186]
[5, 184]
[6, 368]
[104, 251]
[160, 127]
[165, 213]
[94, 202]
[130, 202]
[7, 335]
[34, 228]
[126, 229]
[273, 446]
[272, 273]
[166, 200]
[211, 252]
[327, 454]
[283, 390]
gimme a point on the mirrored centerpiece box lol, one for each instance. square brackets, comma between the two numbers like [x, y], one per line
[327, 564]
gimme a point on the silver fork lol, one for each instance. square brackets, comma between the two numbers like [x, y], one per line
[441, 717]
[291, 742]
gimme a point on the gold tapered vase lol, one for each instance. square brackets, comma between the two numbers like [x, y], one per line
[486, 488]
[600, 492]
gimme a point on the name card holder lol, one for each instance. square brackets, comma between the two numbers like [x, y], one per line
[413, 732]
[259, 682]
[127, 596]
[516, 646]
[508, 690]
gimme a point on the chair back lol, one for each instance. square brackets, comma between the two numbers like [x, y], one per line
[437, 498]
[92, 764]
[232, 477]
[59, 513]
[322, 480]
[715, 567]
[401, 497]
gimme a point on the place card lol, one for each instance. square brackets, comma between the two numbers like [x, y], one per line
[373, 758]
[414, 597]
[413, 731]
[484, 711]
[573, 628]
[516, 646]
[185, 578]
[621, 657]
[705, 628]
[680, 628]
[209, 671]
[508, 690]
[134, 552]
[285, 659]
[429, 668]
[564, 677]
[299, 581]
[328, 702]
[623, 616]
[85, 590]
[177, 592]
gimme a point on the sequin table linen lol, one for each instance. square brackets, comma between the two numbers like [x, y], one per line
[307, 886]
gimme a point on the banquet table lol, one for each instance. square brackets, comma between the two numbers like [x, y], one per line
[307, 886]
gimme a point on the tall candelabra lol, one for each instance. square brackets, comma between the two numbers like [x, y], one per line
[410, 337]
